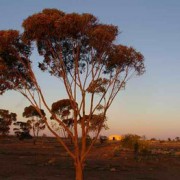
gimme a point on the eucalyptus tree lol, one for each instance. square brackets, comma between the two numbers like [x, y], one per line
[22, 130]
[35, 121]
[6, 119]
[81, 52]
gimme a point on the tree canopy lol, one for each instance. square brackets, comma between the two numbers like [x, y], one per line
[81, 52]
[22, 130]
[30, 112]
[14, 62]
[35, 120]
[6, 119]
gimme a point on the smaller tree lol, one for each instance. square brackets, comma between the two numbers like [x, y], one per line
[169, 139]
[36, 122]
[63, 109]
[22, 130]
[135, 142]
[103, 139]
[6, 119]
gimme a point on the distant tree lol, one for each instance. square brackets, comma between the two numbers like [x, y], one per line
[6, 119]
[169, 139]
[177, 138]
[35, 121]
[64, 110]
[79, 51]
[103, 139]
[22, 130]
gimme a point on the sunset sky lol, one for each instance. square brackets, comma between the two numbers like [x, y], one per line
[150, 104]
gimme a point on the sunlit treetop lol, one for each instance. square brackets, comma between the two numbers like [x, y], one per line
[62, 39]
[58, 34]
[14, 61]
[30, 111]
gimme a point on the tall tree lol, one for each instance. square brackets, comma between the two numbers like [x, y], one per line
[36, 122]
[6, 119]
[79, 51]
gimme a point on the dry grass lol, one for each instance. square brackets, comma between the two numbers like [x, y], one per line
[48, 161]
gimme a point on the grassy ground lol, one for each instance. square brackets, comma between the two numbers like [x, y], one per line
[48, 161]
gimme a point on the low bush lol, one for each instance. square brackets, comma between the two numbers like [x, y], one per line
[135, 143]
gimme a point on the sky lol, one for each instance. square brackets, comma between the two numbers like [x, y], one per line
[150, 104]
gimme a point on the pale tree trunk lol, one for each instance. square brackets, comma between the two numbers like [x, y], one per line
[79, 170]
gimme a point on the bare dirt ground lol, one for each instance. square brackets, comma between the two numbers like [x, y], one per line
[21, 160]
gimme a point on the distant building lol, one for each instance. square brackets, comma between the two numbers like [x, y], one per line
[115, 137]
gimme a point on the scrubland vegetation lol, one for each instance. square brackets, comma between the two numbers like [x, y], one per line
[110, 160]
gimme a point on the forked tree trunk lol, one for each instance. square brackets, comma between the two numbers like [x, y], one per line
[79, 170]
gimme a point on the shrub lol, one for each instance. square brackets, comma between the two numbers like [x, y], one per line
[135, 143]
[103, 139]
